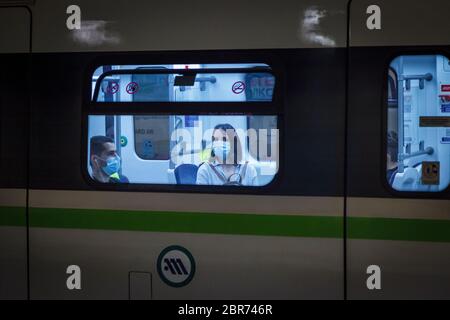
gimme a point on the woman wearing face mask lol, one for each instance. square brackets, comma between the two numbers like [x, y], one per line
[105, 162]
[225, 166]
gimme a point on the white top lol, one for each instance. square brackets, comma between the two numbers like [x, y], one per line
[206, 175]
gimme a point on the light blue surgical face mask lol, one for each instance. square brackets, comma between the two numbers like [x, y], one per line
[221, 149]
[112, 165]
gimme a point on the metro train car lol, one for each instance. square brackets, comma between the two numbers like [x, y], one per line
[226, 150]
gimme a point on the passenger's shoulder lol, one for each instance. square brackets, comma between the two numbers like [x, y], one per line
[119, 179]
[251, 168]
[203, 166]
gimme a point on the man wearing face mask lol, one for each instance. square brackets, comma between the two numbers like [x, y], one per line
[225, 166]
[104, 161]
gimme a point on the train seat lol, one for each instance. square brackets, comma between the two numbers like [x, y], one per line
[186, 173]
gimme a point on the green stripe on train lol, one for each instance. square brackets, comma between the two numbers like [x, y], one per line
[244, 224]
[13, 216]
[215, 223]
[398, 229]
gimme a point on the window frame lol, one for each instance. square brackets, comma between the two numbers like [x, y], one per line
[396, 79]
[398, 52]
[275, 107]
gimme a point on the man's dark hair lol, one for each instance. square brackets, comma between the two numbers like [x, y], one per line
[392, 145]
[98, 144]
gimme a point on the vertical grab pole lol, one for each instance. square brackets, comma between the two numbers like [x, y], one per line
[400, 116]
[118, 135]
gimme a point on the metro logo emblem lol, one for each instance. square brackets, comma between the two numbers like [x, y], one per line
[176, 266]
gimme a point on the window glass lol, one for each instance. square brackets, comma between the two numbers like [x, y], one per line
[226, 150]
[181, 83]
[263, 126]
[151, 137]
[418, 123]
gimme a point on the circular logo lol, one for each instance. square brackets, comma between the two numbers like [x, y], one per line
[238, 87]
[176, 266]
[112, 87]
[132, 88]
[123, 141]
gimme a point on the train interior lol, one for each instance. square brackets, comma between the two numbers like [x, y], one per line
[418, 157]
[169, 148]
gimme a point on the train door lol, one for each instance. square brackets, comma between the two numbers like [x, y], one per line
[398, 163]
[14, 66]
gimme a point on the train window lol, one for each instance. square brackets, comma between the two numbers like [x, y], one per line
[183, 83]
[418, 123]
[191, 124]
[183, 149]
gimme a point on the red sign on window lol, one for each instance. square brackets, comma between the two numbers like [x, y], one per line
[445, 87]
